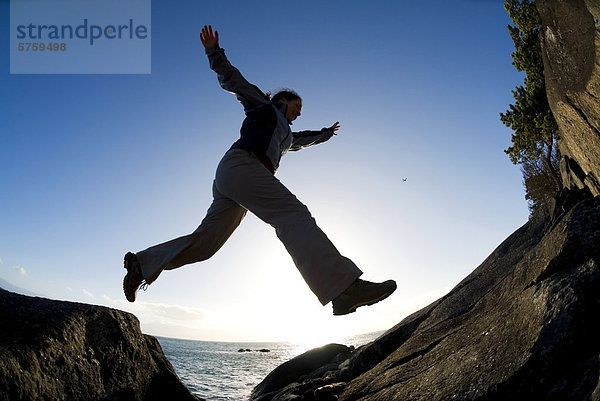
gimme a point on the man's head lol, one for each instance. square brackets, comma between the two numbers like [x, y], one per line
[293, 102]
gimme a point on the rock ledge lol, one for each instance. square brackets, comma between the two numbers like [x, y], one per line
[523, 325]
[56, 350]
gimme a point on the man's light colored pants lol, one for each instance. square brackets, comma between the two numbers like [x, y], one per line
[242, 183]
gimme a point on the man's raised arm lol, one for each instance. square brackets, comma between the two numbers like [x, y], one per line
[230, 77]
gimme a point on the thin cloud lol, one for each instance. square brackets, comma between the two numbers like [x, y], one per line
[86, 292]
[176, 312]
[21, 270]
[161, 312]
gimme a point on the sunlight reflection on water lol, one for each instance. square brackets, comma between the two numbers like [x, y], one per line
[216, 371]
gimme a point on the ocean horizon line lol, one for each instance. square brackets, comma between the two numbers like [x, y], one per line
[369, 334]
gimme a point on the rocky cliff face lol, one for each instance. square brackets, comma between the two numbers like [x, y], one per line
[571, 51]
[523, 325]
[53, 350]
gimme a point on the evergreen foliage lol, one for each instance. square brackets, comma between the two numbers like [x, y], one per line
[535, 129]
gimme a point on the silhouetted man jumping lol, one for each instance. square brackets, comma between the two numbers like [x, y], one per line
[245, 180]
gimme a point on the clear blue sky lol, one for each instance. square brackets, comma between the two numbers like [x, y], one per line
[94, 166]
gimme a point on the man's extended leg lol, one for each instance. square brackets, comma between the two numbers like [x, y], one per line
[243, 178]
[222, 218]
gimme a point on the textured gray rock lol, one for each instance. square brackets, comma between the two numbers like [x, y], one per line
[54, 350]
[310, 365]
[523, 325]
[571, 51]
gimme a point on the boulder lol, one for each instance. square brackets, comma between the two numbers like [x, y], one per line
[55, 350]
[318, 359]
[523, 325]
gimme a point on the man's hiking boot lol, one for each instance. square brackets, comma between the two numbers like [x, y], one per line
[362, 293]
[133, 279]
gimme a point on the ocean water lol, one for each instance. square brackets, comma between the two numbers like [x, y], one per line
[217, 371]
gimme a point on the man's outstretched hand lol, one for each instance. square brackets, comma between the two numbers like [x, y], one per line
[335, 127]
[208, 37]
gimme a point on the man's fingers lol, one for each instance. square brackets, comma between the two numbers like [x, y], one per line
[207, 32]
[208, 36]
[335, 127]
